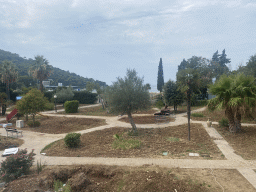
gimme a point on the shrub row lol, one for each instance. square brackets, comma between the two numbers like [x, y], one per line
[85, 97]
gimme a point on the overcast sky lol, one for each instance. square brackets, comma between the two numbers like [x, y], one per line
[100, 39]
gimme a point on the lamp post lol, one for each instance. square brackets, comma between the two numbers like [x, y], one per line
[55, 98]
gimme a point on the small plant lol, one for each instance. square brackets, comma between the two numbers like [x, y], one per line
[39, 167]
[121, 143]
[72, 140]
[59, 186]
[36, 124]
[197, 114]
[224, 122]
[16, 165]
[71, 106]
[172, 139]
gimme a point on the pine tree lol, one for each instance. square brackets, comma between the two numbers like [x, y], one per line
[160, 76]
[183, 65]
[223, 59]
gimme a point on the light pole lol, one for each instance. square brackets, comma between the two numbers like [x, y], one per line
[55, 98]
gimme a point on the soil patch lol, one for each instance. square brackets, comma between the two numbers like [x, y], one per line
[153, 142]
[8, 142]
[129, 179]
[217, 115]
[244, 143]
[146, 119]
[58, 125]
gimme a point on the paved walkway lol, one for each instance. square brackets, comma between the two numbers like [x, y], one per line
[38, 141]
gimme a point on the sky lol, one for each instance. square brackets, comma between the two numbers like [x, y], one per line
[101, 39]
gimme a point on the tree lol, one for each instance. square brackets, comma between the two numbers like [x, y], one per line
[89, 86]
[183, 65]
[250, 68]
[160, 77]
[148, 86]
[32, 103]
[233, 93]
[128, 95]
[64, 94]
[41, 69]
[172, 95]
[3, 98]
[8, 75]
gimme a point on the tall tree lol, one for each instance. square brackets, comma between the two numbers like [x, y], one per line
[232, 94]
[8, 75]
[172, 95]
[223, 59]
[218, 64]
[128, 95]
[41, 69]
[183, 65]
[160, 76]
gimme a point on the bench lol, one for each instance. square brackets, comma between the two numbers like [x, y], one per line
[12, 130]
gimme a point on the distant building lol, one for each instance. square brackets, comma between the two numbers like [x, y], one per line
[46, 83]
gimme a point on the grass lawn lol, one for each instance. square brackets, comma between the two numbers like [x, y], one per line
[145, 119]
[151, 143]
[122, 178]
[57, 125]
[6, 142]
[244, 143]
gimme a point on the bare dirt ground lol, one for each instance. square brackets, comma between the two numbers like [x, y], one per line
[146, 119]
[7, 142]
[153, 143]
[58, 125]
[244, 143]
[129, 179]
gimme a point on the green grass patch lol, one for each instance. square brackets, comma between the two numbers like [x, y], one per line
[121, 143]
[49, 146]
[173, 139]
[197, 114]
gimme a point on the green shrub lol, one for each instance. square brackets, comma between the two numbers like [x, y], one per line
[71, 106]
[64, 94]
[30, 124]
[49, 95]
[85, 97]
[121, 143]
[202, 102]
[16, 165]
[72, 140]
[49, 106]
[223, 122]
[159, 104]
[59, 186]
[197, 114]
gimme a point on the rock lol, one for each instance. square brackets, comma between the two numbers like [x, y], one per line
[79, 181]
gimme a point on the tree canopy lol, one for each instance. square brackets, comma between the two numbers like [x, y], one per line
[160, 76]
[128, 95]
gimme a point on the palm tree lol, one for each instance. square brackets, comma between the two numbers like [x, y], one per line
[41, 70]
[8, 75]
[234, 93]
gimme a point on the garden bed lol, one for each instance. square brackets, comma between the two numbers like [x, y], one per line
[146, 119]
[7, 142]
[150, 143]
[122, 178]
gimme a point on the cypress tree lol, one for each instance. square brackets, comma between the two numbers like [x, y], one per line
[160, 76]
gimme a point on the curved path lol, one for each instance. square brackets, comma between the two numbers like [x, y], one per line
[38, 141]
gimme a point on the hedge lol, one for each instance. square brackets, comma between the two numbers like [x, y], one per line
[85, 97]
[71, 106]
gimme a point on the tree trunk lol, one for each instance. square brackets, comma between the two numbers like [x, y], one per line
[41, 86]
[8, 90]
[33, 117]
[238, 118]
[230, 115]
[26, 117]
[134, 128]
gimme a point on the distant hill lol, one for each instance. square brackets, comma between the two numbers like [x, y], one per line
[58, 75]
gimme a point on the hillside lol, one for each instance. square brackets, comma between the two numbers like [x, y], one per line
[58, 75]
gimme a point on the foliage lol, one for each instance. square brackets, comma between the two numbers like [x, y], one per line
[16, 165]
[32, 103]
[71, 106]
[223, 122]
[39, 166]
[85, 97]
[33, 124]
[197, 115]
[41, 70]
[49, 106]
[172, 95]
[128, 95]
[233, 93]
[49, 95]
[64, 94]
[160, 76]
[8, 75]
[89, 86]
[148, 86]
[159, 104]
[59, 186]
[121, 143]
[72, 140]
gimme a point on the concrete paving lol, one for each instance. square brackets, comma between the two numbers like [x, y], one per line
[38, 141]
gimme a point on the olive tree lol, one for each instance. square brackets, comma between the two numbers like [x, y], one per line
[128, 95]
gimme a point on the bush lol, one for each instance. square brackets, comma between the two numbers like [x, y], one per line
[197, 114]
[72, 140]
[49, 95]
[71, 106]
[49, 106]
[224, 122]
[30, 124]
[65, 94]
[16, 165]
[159, 104]
[85, 97]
